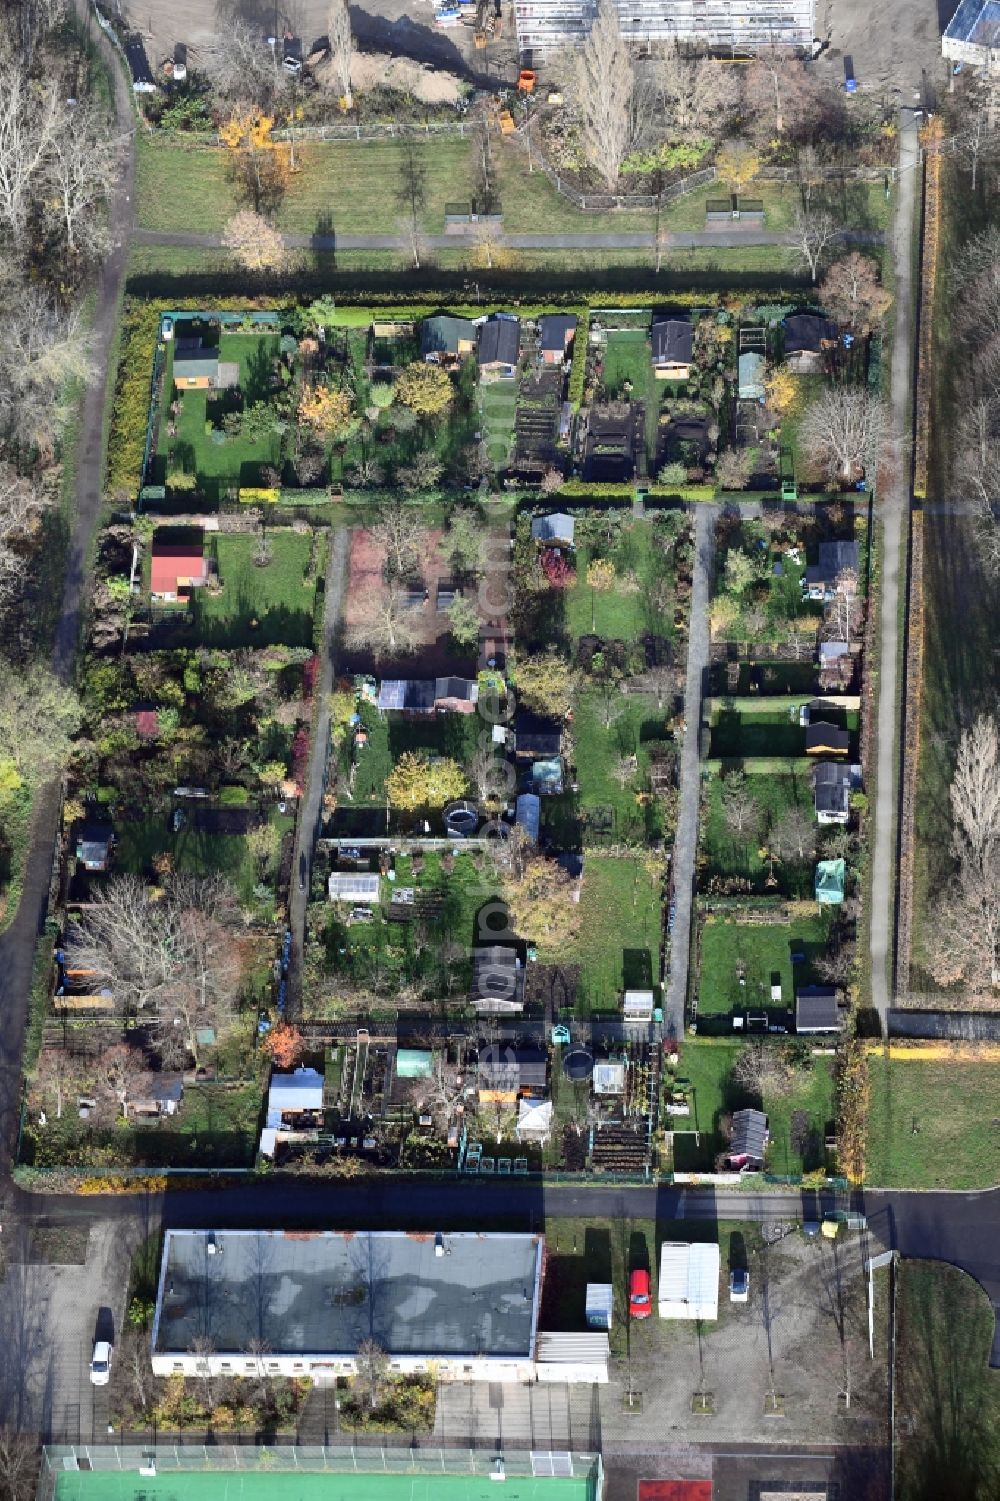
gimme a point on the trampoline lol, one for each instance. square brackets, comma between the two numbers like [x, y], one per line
[578, 1066]
[461, 820]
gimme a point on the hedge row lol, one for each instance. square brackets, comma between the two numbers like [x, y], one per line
[130, 406]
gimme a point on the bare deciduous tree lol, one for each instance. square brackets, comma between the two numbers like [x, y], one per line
[82, 169]
[841, 614]
[243, 68]
[764, 1068]
[341, 44]
[740, 809]
[19, 1460]
[253, 242]
[32, 116]
[697, 97]
[390, 626]
[373, 1371]
[606, 94]
[853, 293]
[44, 350]
[977, 473]
[121, 1072]
[397, 529]
[846, 429]
[411, 194]
[814, 230]
[793, 837]
[975, 794]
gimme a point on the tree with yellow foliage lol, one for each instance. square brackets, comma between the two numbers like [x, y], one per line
[259, 163]
[417, 782]
[327, 410]
[781, 389]
[737, 164]
[425, 389]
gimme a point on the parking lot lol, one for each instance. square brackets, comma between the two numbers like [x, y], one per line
[793, 1358]
[50, 1313]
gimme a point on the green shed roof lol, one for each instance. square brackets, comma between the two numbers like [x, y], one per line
[414, 1063]
[831, 876]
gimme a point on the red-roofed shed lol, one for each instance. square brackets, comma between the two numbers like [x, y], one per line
[146, 724]
[176, 569]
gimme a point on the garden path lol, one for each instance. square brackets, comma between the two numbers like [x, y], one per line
[893, 510]
[310, 818]
[686, 840]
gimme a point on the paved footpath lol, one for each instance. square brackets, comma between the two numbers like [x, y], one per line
[893, 511]
[686, 840]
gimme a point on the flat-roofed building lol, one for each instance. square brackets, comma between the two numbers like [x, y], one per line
[466, 1303]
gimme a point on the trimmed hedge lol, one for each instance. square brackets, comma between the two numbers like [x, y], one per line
[303, 497]
[130, 404]
[578, 489]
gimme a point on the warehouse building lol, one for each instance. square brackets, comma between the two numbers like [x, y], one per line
[712, 25]
[466, 1302]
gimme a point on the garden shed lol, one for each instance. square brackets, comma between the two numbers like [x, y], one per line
[354, 886]
[414, 1063]
[558, 528]
[816, 1009]
[751, 376]
[748, 1142]
[831, 876]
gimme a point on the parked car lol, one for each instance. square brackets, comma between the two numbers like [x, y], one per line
[100, 1363]
[639, 1306]
[739, 1285]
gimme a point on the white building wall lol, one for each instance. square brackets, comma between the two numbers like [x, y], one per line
[323, 1368]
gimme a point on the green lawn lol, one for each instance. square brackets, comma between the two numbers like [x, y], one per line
[497, 403]
[760, 951]
[618, 946]
[531, 205]
[188, 187]
[629, 610]
[706, 1068]
[627, 358]
[729, 854]
[598, 751]
[931, 1124]
[216, 459]
[390, 736]
[194, 853]
[948, 1398]
[258, 606]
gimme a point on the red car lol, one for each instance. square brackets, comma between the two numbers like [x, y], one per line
[639, 1306]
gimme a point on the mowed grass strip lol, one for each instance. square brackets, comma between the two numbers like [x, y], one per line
[933, 1124]
[760, 952]
[342, 187]
[618, 946]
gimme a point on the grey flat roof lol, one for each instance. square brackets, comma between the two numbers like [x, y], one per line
[323, 1292]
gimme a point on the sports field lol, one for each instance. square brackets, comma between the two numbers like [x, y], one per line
[299, 1485]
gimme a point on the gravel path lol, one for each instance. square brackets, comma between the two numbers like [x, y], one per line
[893, 511]
[686, 842]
